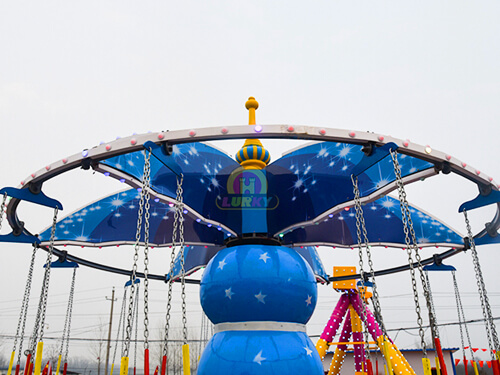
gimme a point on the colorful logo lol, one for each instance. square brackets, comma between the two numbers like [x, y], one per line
[247, 188]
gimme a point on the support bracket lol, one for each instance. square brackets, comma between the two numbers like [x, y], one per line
[372, 155]
[162, 154]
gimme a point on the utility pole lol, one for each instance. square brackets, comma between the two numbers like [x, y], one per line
[109, 331]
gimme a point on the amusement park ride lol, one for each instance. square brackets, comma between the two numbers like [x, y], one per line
[255, 225]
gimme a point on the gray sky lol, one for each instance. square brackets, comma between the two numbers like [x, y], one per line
[73, 74]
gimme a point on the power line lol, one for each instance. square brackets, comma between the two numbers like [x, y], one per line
[428, 326]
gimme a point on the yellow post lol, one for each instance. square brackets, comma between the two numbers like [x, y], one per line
[322, 346]
[38, 360]
[474, 364]
[251, 105]
[336, 365]
[11, 363]
[58, 365]
[438, 369]
[402, 358]
[426, 363]
[112, 367]
[124, 366]
[185, 359]
[384, 348]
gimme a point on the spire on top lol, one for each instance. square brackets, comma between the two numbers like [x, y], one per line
[252, 155]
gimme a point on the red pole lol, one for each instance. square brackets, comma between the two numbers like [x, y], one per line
[376, 366]
[369, 367]
[30, 368]
[496, 370]
[156, 371]
[437, 343]
[65, 368]
[163, 365]
[146, 362]
[17, 369]
[465, 366]
[27, 365]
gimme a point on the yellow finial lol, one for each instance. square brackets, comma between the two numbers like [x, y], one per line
[251, 105]
[252, 155]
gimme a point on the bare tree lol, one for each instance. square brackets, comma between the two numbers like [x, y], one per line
[97, 349]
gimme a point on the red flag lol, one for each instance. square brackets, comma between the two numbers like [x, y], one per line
[466, 347]
[475, 349]
[481, 363]
[457, 361]
[488, 363]
[484, 350]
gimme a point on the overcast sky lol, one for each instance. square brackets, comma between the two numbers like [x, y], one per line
[73, 74]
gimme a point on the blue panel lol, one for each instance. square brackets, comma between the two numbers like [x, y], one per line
[166, 160]
[310, 254]
[296, 188]
[315, 178]
[383, 223]
[378, 153]
[114, 218]
[194, 258]
[206, 172]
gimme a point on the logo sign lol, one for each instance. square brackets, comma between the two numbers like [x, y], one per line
[247, 189]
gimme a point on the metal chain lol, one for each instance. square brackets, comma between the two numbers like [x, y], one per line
[47, 273]
[175, 234]
[375, 297]
[21, 325]
[136, 257]
[69, 314]
[485, 304]
[461, 318]
[408, 227]
[2, 209]
[63, 339]
[180, 209]
[434, 329]
[145, 187]
[359, 215]
[38, 329]
[122, 315]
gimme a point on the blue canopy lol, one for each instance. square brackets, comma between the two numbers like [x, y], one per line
[298, 199]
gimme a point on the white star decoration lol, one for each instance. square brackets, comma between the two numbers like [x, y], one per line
[308, 351]
[259, 358]
[228, 293]
[222, 263]
[260, 297]
[264, 257]
[308, 300]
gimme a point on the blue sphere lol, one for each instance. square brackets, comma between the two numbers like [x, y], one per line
[258, 283]
[260, 352]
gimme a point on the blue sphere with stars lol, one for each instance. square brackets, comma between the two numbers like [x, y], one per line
[258, 283]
